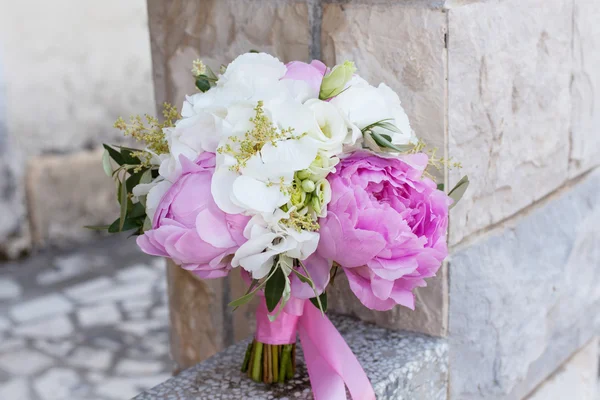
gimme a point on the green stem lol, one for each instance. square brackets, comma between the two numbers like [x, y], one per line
[257, 362]
[246, 362]
[289, 370]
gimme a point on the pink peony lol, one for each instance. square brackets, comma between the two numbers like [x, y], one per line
[188, 226]
[386, 226]
[311, 73]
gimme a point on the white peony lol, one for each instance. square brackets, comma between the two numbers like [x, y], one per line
[363, 105]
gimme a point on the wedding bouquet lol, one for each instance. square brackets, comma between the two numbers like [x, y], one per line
[291, 172]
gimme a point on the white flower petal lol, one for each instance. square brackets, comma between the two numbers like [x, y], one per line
[154, 197]
[221, 188]
[252, 194]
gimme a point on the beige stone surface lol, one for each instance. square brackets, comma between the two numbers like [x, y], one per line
[67, 192]
[429, 316]
[400, 45]
[404, 47]
[585, 88]
[217, 31]
[575, 379]
[201, 321]
[509, 107]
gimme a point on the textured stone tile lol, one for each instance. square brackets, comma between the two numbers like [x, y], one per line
[132, 367]
[9, 289]
[118, 388]
[137, 273]
[509, 106]
[89, 289]
[14, 389]
[585, 88]
[24, 362]
[218, 31]
[41, 307]
[404, 47]
[53, 347]
[105, 314]
[400, 366]
[58, 212]
[90, 358]
[400, 45]
[120, 292]
[519, 296]
[54, 327]
[575, 379]
[5, 324]
[56, 384]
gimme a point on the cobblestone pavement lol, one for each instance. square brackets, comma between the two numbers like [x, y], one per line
[89, 324]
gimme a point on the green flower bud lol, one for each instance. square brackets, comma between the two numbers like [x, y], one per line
[308, 186]
[334, 82]
[302, 175]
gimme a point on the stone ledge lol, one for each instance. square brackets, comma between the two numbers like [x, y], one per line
[400, 366]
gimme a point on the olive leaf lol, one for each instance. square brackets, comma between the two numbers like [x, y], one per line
[106, 163]
[123, 202]
[459, 190]
[385, 141]
[114, 154]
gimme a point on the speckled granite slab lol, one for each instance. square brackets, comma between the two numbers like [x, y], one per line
[400, 365]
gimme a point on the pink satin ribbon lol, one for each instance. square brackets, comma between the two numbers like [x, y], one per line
[331, 364]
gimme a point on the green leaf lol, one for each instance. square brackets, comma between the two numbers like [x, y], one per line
[440, 186]
[388, 126]
[123, 202]
[129, 224]
[128, 157]
[114, 154]
[242, 300]
[146, 176]
[253, 51]
[147, 224]
[274, 289]
[97, 227]
[459, 190]
[202, 83]
[383, 142]
[323, 299]
[106, 163]
[133, 180]
[137, 211]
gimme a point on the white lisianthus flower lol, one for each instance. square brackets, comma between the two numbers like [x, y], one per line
[331, 129]
[268, 237]
[253, 74]
[363, 105]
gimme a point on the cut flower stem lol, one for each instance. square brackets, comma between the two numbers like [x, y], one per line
[270, 363]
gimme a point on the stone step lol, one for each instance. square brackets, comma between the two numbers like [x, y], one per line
[400, 365]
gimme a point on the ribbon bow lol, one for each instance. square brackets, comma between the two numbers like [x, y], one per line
[331, 364]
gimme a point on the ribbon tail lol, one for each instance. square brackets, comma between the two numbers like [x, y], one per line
[330, 362]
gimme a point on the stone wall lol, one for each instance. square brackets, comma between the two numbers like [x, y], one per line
[65, 75]
[507, 87]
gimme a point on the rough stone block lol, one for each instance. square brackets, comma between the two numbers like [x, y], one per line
[509, 106]
[201, 321]
[217, 31]
[399, 365]
[400, 45]
[67, 192]
[585, 88]
[429, 316]
[522, 298]
[404, 47]
[575, 379]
